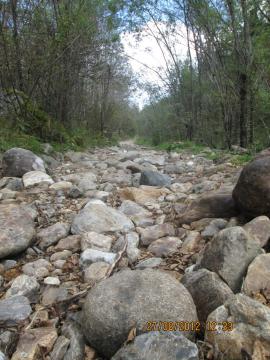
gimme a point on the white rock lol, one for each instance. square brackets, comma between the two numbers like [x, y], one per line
[33, 178]
[90, 256]
[61, 185]
[52, 281]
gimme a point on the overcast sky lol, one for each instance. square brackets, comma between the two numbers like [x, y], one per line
[148, 52]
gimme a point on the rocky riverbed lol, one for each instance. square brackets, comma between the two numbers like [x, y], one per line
[131, 253]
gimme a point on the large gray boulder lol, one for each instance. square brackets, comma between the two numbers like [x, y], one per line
[16, 229]
[16, 162]
[131, 299]
[100, 218]
[245, 332]
[154, 178]
[252, 191]
[207, 290]
[229, 255]
[156, 345]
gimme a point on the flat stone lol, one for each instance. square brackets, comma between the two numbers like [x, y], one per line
[35, 178]
[100, 218]
[143, 194]
[14, 310]
[77, 343]
[61, 255]
[61, 185]
[229, 255]
[90, 256]
[93, 240]
[129, 299]
[33, 341]
[251, 329]
[96, 272]
[214, 228]
[149, 263]
[52, 234]
[156, 345]
[155, 232]
[258, 276]
[52, 281]
[72, 243]
[164, 246]
[17, 229]
[24, 285]
[54, 294]
[139, 215]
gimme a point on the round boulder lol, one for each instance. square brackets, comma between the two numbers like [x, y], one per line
[130, 299]
[16, 162]
[252, 191]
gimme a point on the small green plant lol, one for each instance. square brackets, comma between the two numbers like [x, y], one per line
[240, 160]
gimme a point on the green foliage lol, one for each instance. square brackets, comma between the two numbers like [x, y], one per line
[240, 160]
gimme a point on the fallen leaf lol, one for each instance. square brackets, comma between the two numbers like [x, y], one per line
[131, 335]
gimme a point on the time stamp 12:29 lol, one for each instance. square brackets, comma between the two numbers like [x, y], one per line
[196, 326]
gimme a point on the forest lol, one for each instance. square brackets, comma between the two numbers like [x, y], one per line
[65, 77]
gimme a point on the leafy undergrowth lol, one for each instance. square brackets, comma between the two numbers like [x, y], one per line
[77, 141]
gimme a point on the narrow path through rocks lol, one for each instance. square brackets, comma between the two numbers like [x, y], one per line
[95, 215]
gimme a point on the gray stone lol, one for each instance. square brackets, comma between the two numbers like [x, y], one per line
[61, 255]
[8, 342]
[139, 215]
[250, 337]
[16, 162]
[35, 178]
[154, 178]
[52, 234]
[149, 263]
[72, 243]
[90, 256]
[77, 344]
[75, 192]
[16, 229]
[134, 298]
[259, 228]
[229, 255]
[165, 246]
[24, 285]
[14, 310]
[3, 356]
[155, 232]
[207, 290]
[11, 183]
[258, 276]
[96, 272]
[60, 348]
[50, 280]
[156, 345]
[93, 240]
[61, 185]
[100, 218]
[54, 294]
[39, 268]
[214, 228]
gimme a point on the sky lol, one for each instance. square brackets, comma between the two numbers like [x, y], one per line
[148, 57]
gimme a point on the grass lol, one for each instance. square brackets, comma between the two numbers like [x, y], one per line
[189, 146]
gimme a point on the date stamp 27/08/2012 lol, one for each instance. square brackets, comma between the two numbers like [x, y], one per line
[194, 326]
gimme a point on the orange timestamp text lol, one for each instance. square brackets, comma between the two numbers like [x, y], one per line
[194, 326]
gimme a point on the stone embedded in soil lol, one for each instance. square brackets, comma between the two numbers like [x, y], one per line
[96, 272]
[60, 348]
[71, 242]
[139, 215]
[135, 297]
[39, 268]
[154, 178]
